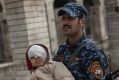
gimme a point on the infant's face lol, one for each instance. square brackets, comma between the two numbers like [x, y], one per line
[37, 61]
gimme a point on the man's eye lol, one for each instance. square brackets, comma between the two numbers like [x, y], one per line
[68, 18]
[71, 18]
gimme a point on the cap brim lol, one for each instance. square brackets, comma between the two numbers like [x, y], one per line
[61, 12]
[66, 11]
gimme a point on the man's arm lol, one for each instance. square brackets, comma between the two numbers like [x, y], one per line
[59, 56]
[97, 65]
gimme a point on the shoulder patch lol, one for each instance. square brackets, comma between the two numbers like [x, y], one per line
[96, 70]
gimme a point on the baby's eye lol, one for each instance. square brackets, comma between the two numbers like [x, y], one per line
[32, 57]
[35, 57]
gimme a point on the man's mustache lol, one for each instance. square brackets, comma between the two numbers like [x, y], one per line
[66, 26]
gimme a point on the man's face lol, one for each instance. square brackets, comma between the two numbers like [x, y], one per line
[71, 25]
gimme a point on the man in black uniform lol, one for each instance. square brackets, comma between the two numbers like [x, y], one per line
[79, 54]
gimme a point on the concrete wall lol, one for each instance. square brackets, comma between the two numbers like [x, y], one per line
[28, 24]
[7, 71]
[112, 18]
[51, 25]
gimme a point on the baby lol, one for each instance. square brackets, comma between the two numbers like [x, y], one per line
[42, 68]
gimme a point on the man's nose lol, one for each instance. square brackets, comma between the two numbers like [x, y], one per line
[66, 21]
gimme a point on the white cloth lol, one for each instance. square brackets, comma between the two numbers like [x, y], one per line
[37, 50]
[51, 71]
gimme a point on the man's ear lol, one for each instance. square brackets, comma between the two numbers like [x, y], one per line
[83, 21]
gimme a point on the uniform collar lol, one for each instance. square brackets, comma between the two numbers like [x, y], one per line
[79, 42]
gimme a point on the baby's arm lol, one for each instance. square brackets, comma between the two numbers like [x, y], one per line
[61, 72]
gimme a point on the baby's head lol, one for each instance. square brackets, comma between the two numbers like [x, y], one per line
[37, 56]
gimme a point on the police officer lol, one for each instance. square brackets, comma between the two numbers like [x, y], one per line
[79, 54]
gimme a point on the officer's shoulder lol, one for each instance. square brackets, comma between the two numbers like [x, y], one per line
[89, 44]
[62, 46]
[91, 47]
